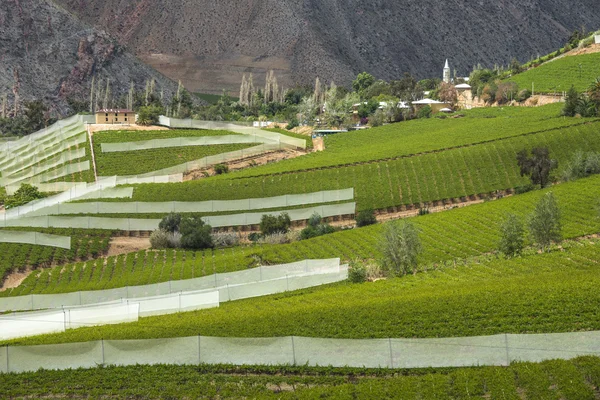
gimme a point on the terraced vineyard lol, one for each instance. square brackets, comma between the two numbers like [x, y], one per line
[574, 379]
[139, 162]
[447, 236]
[558, 75]
[424, 135]
[84, 244]
[538, 293]
[420, 179]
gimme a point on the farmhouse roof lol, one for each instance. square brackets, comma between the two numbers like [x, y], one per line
[463, 86]
[114, 110]
[428, 101]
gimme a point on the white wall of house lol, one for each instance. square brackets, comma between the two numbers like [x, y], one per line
[597, 39]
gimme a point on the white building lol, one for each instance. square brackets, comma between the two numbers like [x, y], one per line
[447, 75]
[597, 39]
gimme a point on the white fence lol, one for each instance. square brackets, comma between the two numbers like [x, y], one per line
[226, 283]
[132, 224]
[181, 142]
[290, 200]
[37, 238]
[497, 350]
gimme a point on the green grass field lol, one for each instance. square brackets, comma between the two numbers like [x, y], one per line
[309, 143]
[451, 235]
[575, 379]
[420, 179]
[558, 75]
[139, 162]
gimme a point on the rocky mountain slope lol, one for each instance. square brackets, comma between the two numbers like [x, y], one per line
[210, 44]
[48, 53]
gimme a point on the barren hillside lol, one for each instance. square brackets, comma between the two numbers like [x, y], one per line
[211, 44]
[49, 53]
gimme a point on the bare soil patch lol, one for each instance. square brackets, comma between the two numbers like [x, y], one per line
[15, 279]
[318, 144]
[127, 244]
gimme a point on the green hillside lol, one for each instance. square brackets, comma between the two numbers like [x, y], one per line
[558, 75]
[450, 235]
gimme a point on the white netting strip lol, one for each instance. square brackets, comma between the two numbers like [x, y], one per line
[181, 142]
[37, 238]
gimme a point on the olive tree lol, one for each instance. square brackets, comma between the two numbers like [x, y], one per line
[512, 234]
[544, 223]
[400, 247]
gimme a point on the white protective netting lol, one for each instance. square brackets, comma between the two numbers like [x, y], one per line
[497, 350]
[259, 280]
[37, 238]
[181, 142]
[67, 169]
[195, 206]
[23, 174]
[284, 140]
[132, 224]
[53, 187]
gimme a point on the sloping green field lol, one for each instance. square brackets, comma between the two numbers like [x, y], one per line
[558, 75]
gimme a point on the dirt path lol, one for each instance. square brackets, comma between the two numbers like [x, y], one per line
[15, 279]
[127, 244]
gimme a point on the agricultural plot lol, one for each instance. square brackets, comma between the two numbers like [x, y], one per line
[557, 76]
[448, 236]
[424, 135]
[84, 244]
[574, 379]
[425, 178]
[539, 293]
[139, 162]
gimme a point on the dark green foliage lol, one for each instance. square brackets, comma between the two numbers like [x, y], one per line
[424, 211]
[571, 103]
[357, 273]
[362, 82]
[581, 165]
[270, 224]
[365, 218]
[148, 115]
[316, 228]
[221, 169]
[524, 188]
[538, 166]
[37, 115]
[400, 247]
[424, 112]
[523, 95]
[364, 110]
[292, 124]
[195, 234]
[25, 194]
[545, 224]
[512, 236]
[170, 223]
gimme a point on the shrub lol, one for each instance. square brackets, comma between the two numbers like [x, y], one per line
[357, 273]
[225, 239]
[195, 234]
[424, 211]
[292, 124]
[365, 218]
[523, 95]
[170, 223]
[512, 235]
[221, 169]
[424, 112]
[274, 238]
[314, 231]
[400, 247]
[270, 224]
[254, 237]
[25, 194]
[160, 239]
[524, 189]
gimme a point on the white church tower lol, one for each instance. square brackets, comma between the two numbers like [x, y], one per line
[447, 72]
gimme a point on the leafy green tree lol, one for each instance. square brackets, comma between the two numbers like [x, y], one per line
[544, 223]
[512, 236]
[362, 82]
[571, 103]
[195, 233]
[365, 218]
[149, 115]
[400, 247]
[25, 194]
[594, 92]
[515, 66]
[270, 224]
[37, 115]
[424, 112]
[538, 166]
[170, 223]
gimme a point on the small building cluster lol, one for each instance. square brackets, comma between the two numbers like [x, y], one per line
[115, 116]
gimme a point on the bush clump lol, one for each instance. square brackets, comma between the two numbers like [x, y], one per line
[316, 228]
[25, 194]
[365, 218]
[221, 169]
[225, 239]
[271, 224]
[176, 231]
[357, 273]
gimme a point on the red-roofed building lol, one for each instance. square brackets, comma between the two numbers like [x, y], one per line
[115, 116]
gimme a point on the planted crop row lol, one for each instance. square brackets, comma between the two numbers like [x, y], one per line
[424, 135]
[538, 293]
[450, 235]
[558, 76]
[430, 177]
[84, 244]
[519, 381]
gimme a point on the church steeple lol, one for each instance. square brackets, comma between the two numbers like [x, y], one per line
[447, 72]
